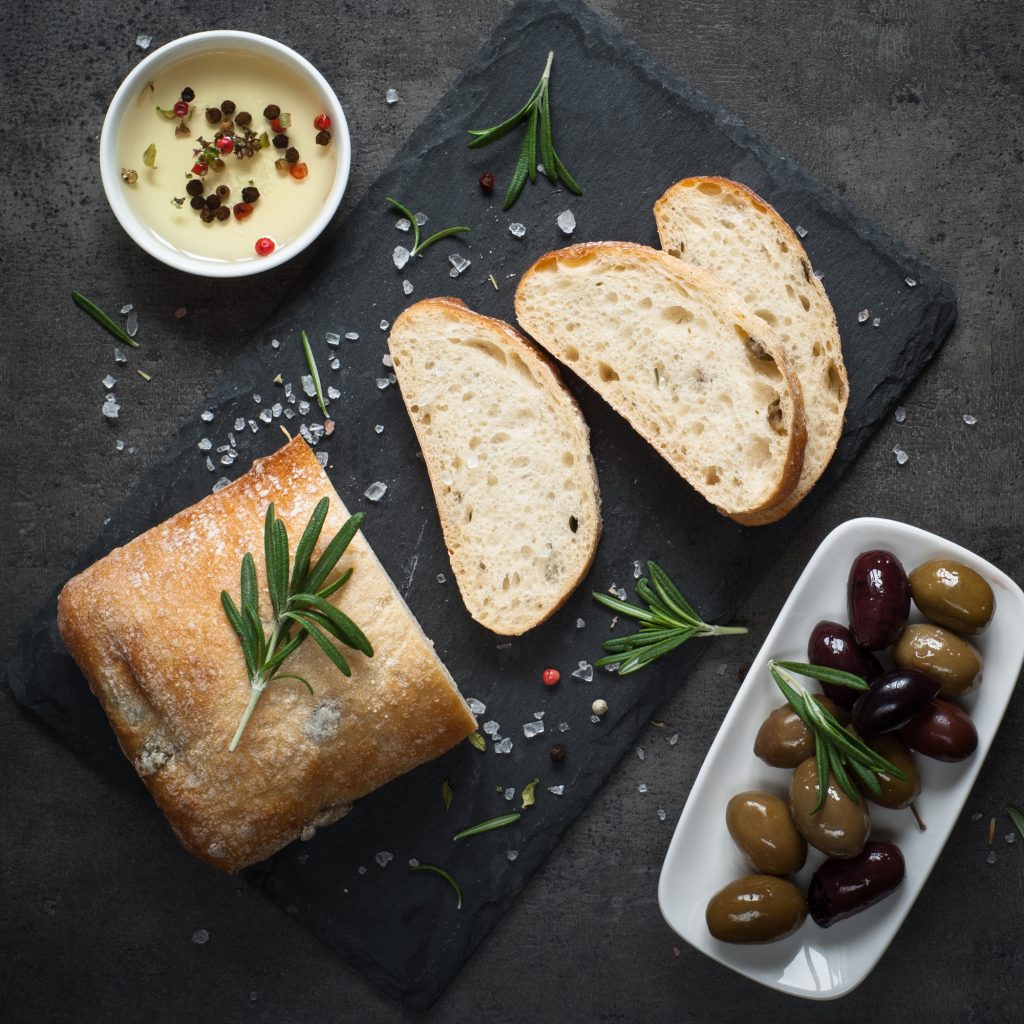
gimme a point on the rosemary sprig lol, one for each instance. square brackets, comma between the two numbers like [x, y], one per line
[434, 869]
[315, 374]
[835, 748]
[299, 603]
[537, 114]
[1017, 817]
[488, 826]
[667, 623]
[417, 245]
[102, 319]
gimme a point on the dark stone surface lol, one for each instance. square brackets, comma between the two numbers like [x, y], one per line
[97, 928]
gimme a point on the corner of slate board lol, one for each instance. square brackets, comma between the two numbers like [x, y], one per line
[401, 931]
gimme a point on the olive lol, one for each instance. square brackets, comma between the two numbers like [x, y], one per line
[878, 599]
[953, 595]
[783, 741]
[762, 827]
[756, 908]
[942, 731]
[896, 793]
[840, 826]
[893, 700]
[841, 888]
[834, 646]
[941, 654]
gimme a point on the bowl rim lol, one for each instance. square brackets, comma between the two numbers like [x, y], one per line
[110, 166]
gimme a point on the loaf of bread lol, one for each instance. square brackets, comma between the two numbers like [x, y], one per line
[689, 366]
[508, 454]
[725, 227]
[146, 626]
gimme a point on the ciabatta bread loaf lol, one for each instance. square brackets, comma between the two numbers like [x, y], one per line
[690, 367]
[725, 227]
[508, 454]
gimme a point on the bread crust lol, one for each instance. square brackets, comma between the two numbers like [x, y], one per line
[551, 380]
[792, 463]
[811, 472]
[146, 627]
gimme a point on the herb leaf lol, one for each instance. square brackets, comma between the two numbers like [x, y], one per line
[488, 826]
[477, 741]
[447, 793]
[102, 319]
[1017, 817]
[434, 869]
[667, 623]
[530, 793]
[315, 374]
[417, 245]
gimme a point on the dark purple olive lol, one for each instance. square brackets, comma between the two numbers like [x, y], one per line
[842, 887]
[892, 701]
[878, 599]
[834, 646]
[943, 731]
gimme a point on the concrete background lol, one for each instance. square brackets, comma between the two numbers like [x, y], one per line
[912, 109]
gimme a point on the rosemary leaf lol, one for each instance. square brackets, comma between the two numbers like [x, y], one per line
[315, 374]
[477, 741]
[1017, 817]
[321, 641]
[447, 793]
[304, 549]
[434, 869]
[103, 320]
[329, 559]
[488, 826]
[344, 628]
[824, 674]
[437, 236]
[530, 793]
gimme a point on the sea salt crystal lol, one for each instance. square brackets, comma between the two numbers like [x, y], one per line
[240, 423]
[637, 568]
[332, 339]
[801, 230]
[556, 790]
[400, 256]
[531, 729]
[351, 335]
[969, 419]
[228, 458]
[275, 410]
[407, 286]
[110, 407]
[289, 392]
[403, 224]
[478, 707]
[126, 309]
[308, 387]
[580, 623]
[361, 869]
[620, 593]
[991, 858]
[223, 448]
[382, 383]
[563, 726]
[391, 97]
[977, 816]
[491, 727]
[642, 788]
[641, 754]
[661, 813]
[200, 936]
[901, 456]
[231, 439]
[876, 321]
[387, 360]
[673, 739]
[209, 464]
[1011, 837]
[108, 382]
[910, 282]
[379, 428]
[384, 858]
[392, 379]
[538, 715]
[510, 793]
[421, 219]
[221, 484]
[595, 719]
[584, 672]
[119, 356]
[384, 325]
[257, 399]
[566, 222]
[206, 417]
[335, 364]
[440, 577]
[275, 343]
[820, 275]
[459, 264]
[266, 415]
[414, 862]
[900, 415]
[516, 229]
[333, 393]
[375, 491]
[119, 445]
[315, 432]
[143, 43]
[289, 414]
[862, 316]
[131, 325]
[303, 407]
[504, 747]
[322, 458]
[512, 854]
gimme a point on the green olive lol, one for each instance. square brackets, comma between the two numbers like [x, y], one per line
[839, 828]
[783, 741]
[941, 654]
[756, 908]
[896, 793]
[762, 827]
[953, 595]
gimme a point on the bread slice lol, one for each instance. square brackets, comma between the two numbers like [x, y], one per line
[508, 453]
[696, 373]
[723, 226]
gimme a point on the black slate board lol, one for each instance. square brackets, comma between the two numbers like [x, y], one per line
[402, 931]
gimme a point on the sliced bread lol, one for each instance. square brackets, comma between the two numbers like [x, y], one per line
[697, 374]
[723, 226]
[508, 453]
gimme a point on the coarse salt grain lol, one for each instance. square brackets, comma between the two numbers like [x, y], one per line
[491, 728]
[333, 393]
[119, 356]
[478, 707]
[512, 854]
[566, 222]
[900, 415]
[379, 428]
[382, 383]
[504, 747]
[110, 408]
[901, 456]
[221, 484]
[531, 729]
[516, 229]
[375, 491]
[969, 419]
[862, 316]
[876, 321]
[207, 416]
[384, 858]
[910, 282]
[143, 42]
[585, 671]
[384, 325]
[351, 335]
[510, 793]
[407, 286]
[332, 339]
[403, 224]
[556, 790]
[642, 788]
[200, 936]
[580, 623]
[391, 97]
[661, 814]
[673, 739]
[563, 726]
[440, 577]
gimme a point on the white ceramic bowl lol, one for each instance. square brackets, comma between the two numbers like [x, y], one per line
[819, 963]
[191, 46]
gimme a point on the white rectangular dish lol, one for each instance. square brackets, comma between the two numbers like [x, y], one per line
[818, 963]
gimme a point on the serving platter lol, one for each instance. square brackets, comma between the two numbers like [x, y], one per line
[819, 963]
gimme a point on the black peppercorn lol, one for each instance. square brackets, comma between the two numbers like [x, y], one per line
[205, 215]
[187, 94]
[212, 201]
[197, 203]
[323, 138]
[280, 141]
[222, 213]
[250, 194]
[242, 118]
[213, 115]
[292, 155]
[271, 111]
[194, 187]
[228, 107]
[223, 192]
[557, 754]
